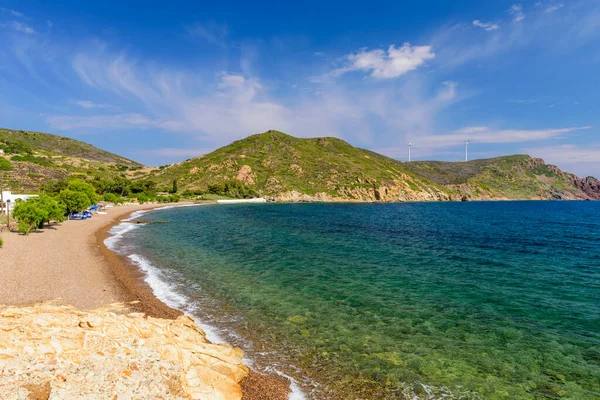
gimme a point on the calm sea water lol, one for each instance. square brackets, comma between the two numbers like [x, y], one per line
[494, 300]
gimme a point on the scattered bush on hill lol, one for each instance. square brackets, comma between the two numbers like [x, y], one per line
[44, 161]
[1, 242]
[15, 147]
[5, 165]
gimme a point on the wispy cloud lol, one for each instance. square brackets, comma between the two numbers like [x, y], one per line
[554, 8]
[118, 121]
[87, 104]
[516, 11]
[484, 134]
[488, 26]
[20, 27]
[396, 62]
[175, 152]
[567, 153]
[14, 13]
[211, 32]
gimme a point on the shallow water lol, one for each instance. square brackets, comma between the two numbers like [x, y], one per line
[495, 300]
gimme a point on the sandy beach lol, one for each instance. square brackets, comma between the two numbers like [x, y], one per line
[69, 264]
[65, 262]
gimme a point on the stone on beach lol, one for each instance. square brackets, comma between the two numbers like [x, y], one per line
[107, 354]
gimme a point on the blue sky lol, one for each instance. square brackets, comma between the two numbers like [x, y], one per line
[162, 84]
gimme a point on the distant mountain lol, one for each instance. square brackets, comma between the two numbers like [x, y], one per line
[286, 168]
[511, 177]
[32, 158]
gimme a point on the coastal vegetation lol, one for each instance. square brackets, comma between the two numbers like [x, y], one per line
[37, 211]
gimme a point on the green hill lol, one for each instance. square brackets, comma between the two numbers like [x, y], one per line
[31, 158]
[283, 167]
[510, 177]
[286, 168]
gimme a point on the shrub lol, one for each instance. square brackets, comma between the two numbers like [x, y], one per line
[37, 211]
[30, 215]
[142, 198]
[54, 187]
[168, 199]
[74, 201]
[234, 188]
[84, 187]
[33, 159]
[1, 242]
[5, 165]
[55, 211]
[113, 198]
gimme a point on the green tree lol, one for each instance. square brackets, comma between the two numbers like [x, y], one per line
[174, 189]
[30, 215]
[84, 187]
[74, 201]
[55, 211]
[54, 187]
[5, 164]
[112, 198]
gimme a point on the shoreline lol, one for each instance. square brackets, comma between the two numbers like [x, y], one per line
[255, 386]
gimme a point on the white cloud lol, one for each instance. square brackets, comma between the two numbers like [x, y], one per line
[397, 61]
[175, 152]
[581, 160]
[14, 13]
[20, 27]
[89, 104]
[567, 153]
[516, 10]
[488, 26]
[211, 32]
[118, 121]
[554, 8]
[483, 134]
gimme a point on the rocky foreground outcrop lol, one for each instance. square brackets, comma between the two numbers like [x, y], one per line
[58, 352]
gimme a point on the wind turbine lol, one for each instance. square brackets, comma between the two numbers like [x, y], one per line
[409, 146]
[467, 150]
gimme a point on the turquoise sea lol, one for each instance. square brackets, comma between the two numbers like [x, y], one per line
[486, 300]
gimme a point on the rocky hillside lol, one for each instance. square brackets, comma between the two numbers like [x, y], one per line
[31, 158]
[511, 177]
[286, 168]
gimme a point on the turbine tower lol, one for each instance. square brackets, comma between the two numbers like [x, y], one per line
[409, 146]
[466, 150]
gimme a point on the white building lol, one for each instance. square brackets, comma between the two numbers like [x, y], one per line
[1, 152]
[8, 200]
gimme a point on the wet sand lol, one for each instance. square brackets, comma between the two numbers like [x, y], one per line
[69, 263]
